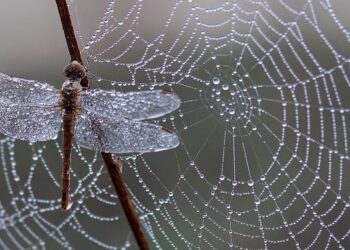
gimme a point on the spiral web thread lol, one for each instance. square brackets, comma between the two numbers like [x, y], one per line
[264, 154]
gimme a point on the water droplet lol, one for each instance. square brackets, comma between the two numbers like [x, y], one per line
[225, 87]
[216, 80]
[250, 183]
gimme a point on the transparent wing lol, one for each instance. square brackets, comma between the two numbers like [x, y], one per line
[30, 123]
[121, 136]
[21, 91]
[132, 105]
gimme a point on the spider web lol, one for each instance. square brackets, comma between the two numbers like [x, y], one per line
[264, 151]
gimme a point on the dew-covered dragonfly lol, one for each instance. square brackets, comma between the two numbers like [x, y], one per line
[102, 120]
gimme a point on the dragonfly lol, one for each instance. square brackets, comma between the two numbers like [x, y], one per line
[103, 120]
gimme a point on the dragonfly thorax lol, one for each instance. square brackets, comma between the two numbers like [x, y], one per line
[70, 95]
[71, 85]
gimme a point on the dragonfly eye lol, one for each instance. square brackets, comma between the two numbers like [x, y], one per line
[75, 70]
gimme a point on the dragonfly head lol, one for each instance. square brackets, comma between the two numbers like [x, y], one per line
[75, 70]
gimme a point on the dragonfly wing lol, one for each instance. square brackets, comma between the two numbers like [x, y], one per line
[21, 91]
[121, 136]
[132, 105]
[29, 123]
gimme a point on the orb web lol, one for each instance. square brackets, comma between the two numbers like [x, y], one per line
[263, 160]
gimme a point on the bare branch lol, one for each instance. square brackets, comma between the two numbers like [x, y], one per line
[114, 172]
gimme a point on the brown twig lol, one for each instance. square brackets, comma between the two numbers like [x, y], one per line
[114, 172]
[112, 166]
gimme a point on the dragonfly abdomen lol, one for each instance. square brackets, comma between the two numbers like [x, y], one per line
[69, 103]
[68, 133]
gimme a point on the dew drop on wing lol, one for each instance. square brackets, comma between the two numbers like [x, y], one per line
[140, 105]
[121, 136]
[21, 91]
[27, 109]
[29, 123]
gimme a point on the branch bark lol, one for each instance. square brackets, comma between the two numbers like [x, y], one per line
[113, 167]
